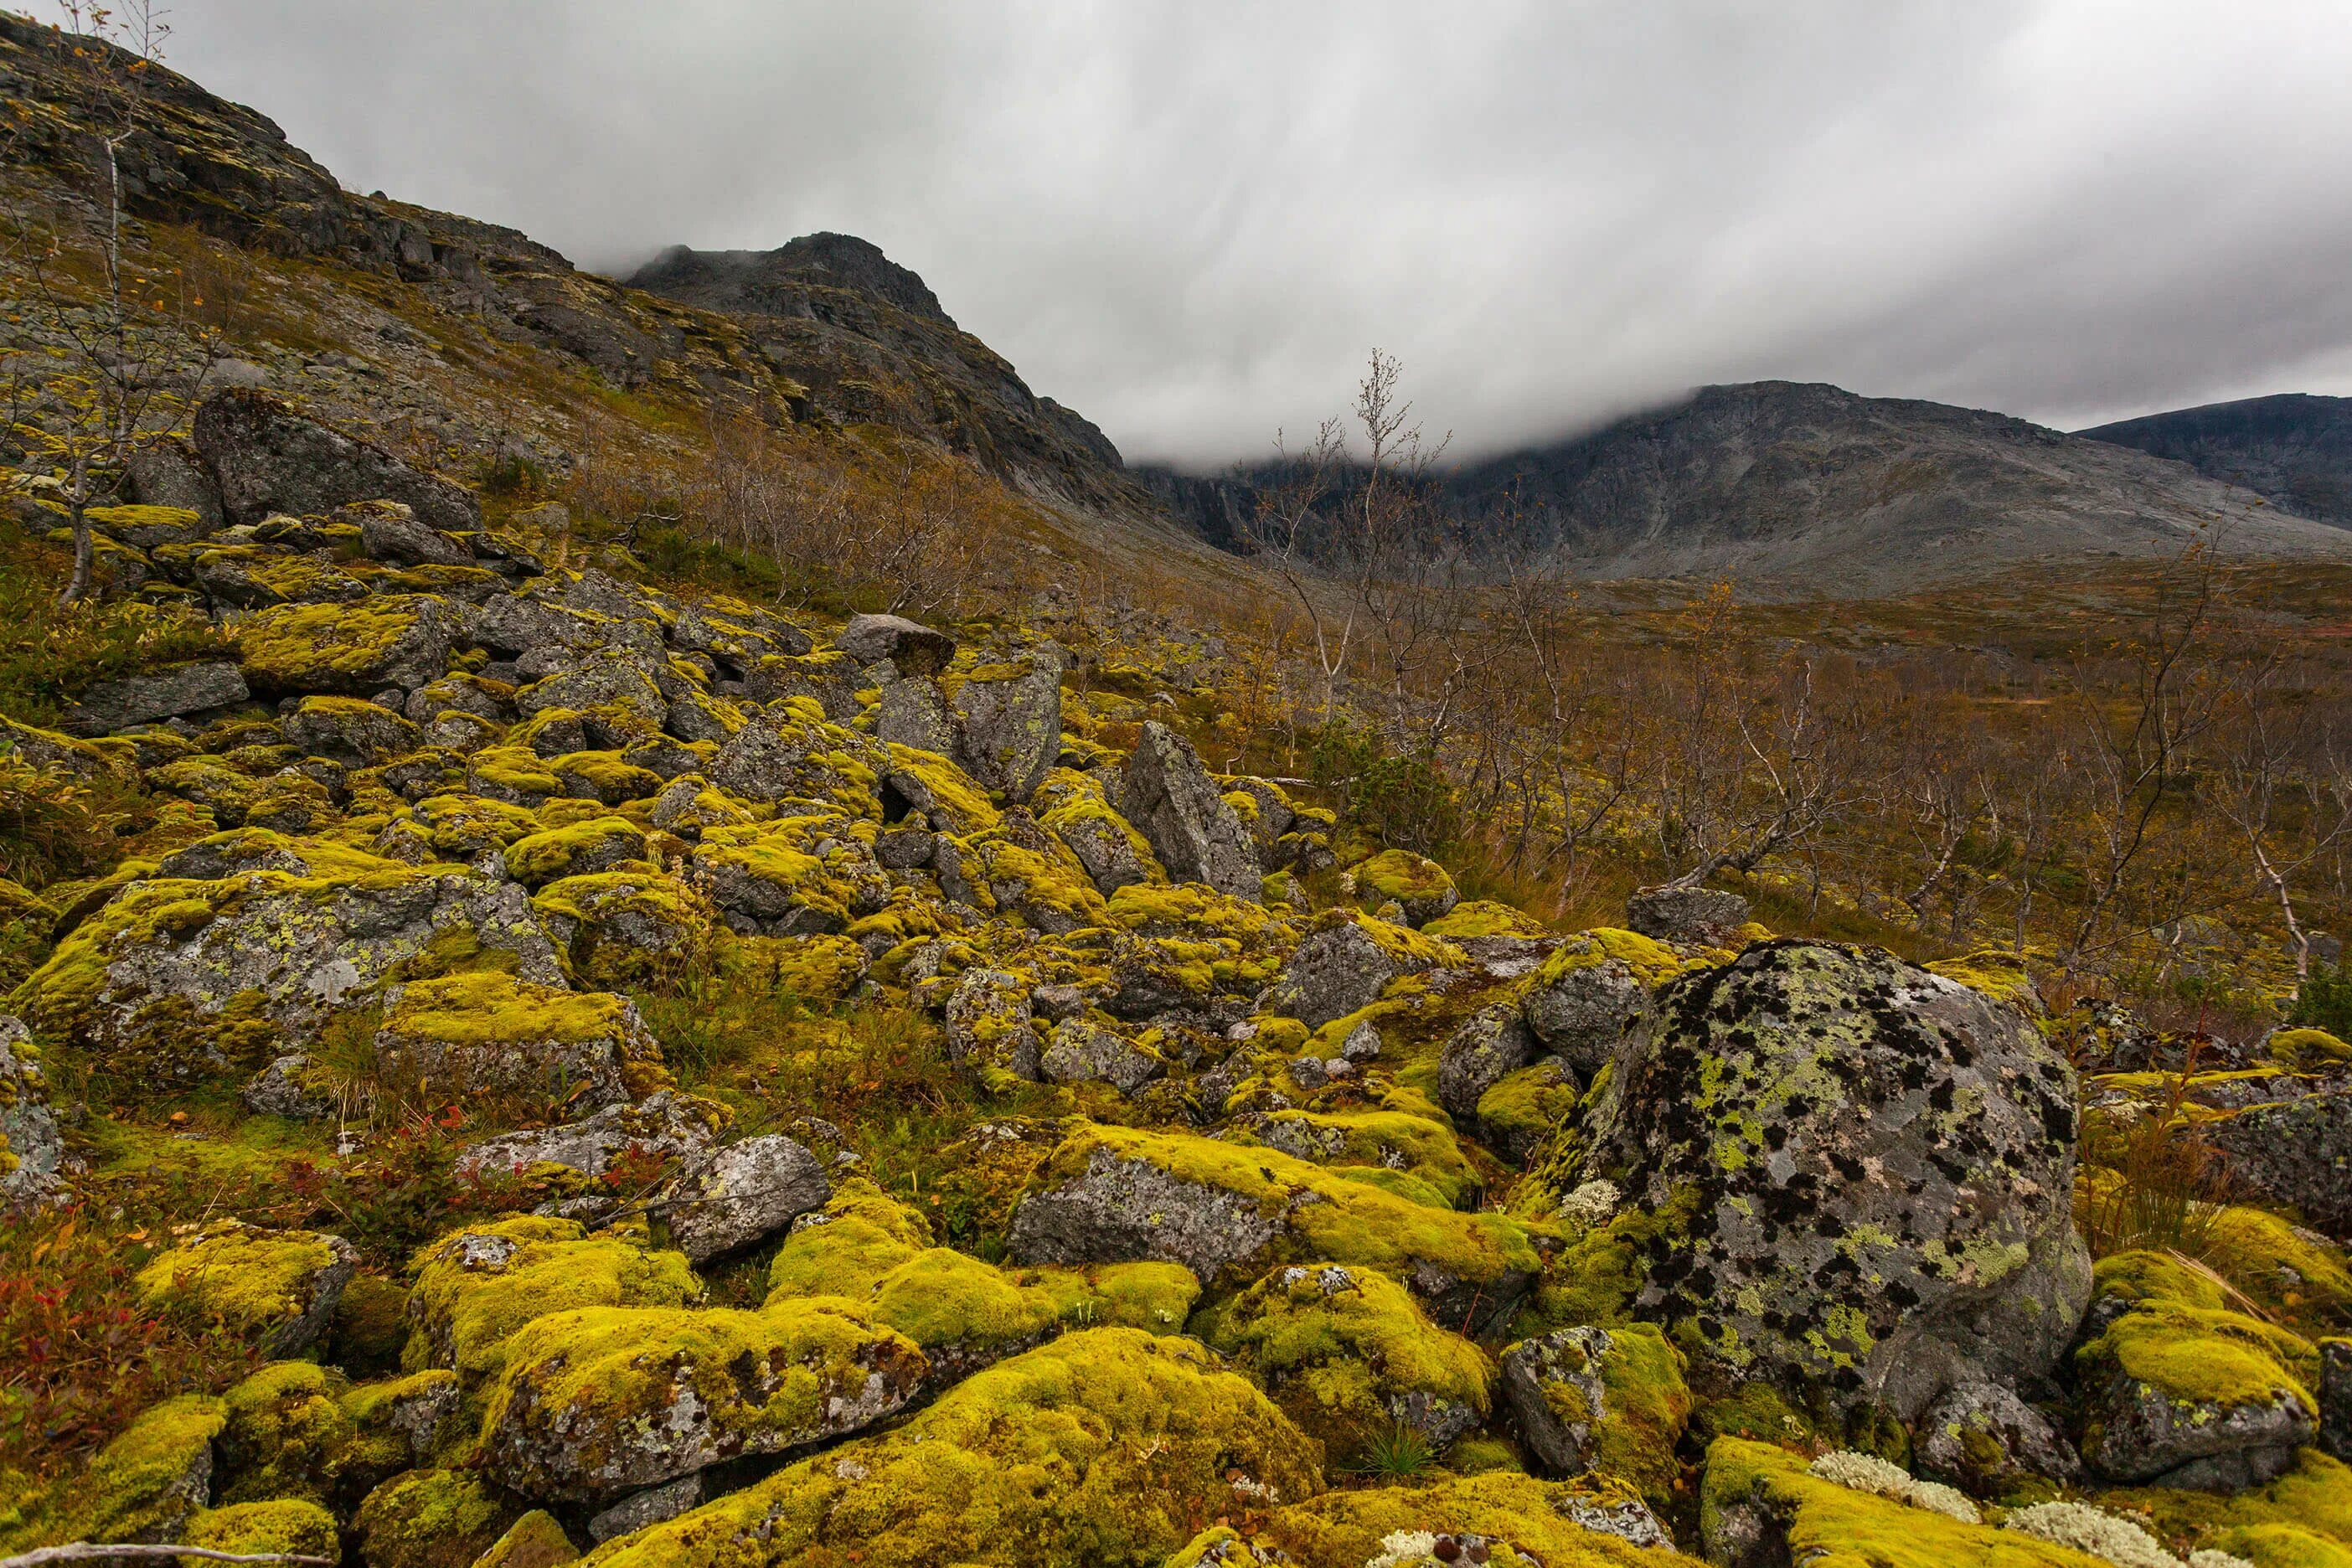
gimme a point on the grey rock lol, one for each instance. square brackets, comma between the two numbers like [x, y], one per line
[417, 653]
[1080, 1053]
[2143, 1435]
[1703, 916]
[665, 1124]
[1491, 1044]
[989, 1025]
[777, 756]
[1584, 1012]
[1866, 1121]
[587, 1068]
[1171, 800]
[1332, 974]
[915, 713]
[1555, 1388]
[914, 649]
[1009, 728]
[355, 734]
[270, 458]
[904, 849]
[28, 1128]
[459, 694]
[609, 676]
[1628, 1518]
[1121, 1208]
[1981, 1438]
[277, 1090]
[2336, 1398]
[650, 1506]
[2296, 1148]
[745, 1193]
[169, 473]
[391, 532]
[111, 705]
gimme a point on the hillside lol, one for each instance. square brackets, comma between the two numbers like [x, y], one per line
[606, 961]
[2294, 449]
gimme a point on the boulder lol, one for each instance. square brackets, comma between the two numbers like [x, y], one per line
[399, 640]
[393, 533]
[1078, 1052]
[269, 459]
[1984, 1439]
[1610, 1400]
[597, 1402]
[1418, 886]
[1009, 724]
[914, 712]
[1173, 803]
[2292, 1140]
[741, 1195]
[476, 1287]
[484, 1033]
[1851, 1175]
[277, 1287]
[279, 1090]
[911, 648]
[1349, 1356]
[430, 1519]
[167, 472]
[1591, 991]
[665, 1125]
[350, 730]
[641, 1508]
[1490, 1045]
[989, 1025]
[2334, 1437]
[1344, 967]
[111, 705]
[1702, 917]
[32, 1150]
[1113, 1195]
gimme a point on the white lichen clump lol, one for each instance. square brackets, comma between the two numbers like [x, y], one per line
[2106, 1535]
[1868, 1473]
[1590, 1204]
[1404, 1548]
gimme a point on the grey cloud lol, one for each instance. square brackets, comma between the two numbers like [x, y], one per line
[1190, 220]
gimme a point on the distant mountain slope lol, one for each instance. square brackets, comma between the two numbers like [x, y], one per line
[2295, 449]
[1793, 487]
[868, 339]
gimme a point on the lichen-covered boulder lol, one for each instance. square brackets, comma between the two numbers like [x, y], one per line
[911, 648]
[991, 1032]
[599, 1401]
[1009, 723]
[1501, 1519]
[1352, 1357]
[276, 1287]
[474, 1287]
[2181, 1390]
[1855, 1176]
[741, 1195]
[1073, 808]
[1080, 1052]
[791, 751]
[2292, 1141]
[1490, 1045]
[1345, 964]
[358, 650]
[628, 929]
[1981, 1438]
[1414, 883]
[32, 1150]
[1610, 1400]
[391, 531]
[185, 976]
[666, 1125]
[267, 459]
[287, 1429]
[107, 706]
[486, 1031]
[1591, 991]
[1106, 1447]
[1761, 1504]
[1173, 803]
[1113, 1194]
[146, 1485]
[588, 849]
[797, 876]
[350, 730]
[396, 1425]
[1704, 917]
[430, 1519]
[1412, 1156]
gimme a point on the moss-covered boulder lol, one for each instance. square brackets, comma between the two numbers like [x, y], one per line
[146, 1484]
[1592, 989]
[1391, 1147]
[179, 978]
[741, 1196]
[1345, 964]
[286, 1431]
[576, 850]
[350, 730]
[794, 876]
[1107, 1447]
[1505, 1519]
[1073, 808]
[629, 929]
[277, 1288]
[1867, 1171]
[534, 1540]
[1352, 1357]
[477, 1287]
[430, 1519]
[1414, 883]
[392, 639]
[1111, 1193]
[394, 1425]
[285, 1526]
[599, 1401]
[1173, 803]
[488, 1033]
[1609, 1400]
[791, 751]
[2181, 1391]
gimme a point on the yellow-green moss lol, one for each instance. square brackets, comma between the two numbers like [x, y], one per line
[294, 1526]
[1339, 1348]
[1484, 917]
[430, 1519]
[2310, 1051]
[1528, 1517]
[1831, 1526]
[1651, 963]
[534, 1540]
[1997, 971]
[1388, 1143]
[285, 1425]
[251, 1279]
[490, 1008]
[1107, 1447]
[1402, 875]
[464, 1315]
[311, 647]
[541, 857]
[2286, 1269]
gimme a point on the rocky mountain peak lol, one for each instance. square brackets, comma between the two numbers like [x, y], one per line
[735, 279]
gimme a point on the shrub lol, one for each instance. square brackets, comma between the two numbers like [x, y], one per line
[2324, 1001]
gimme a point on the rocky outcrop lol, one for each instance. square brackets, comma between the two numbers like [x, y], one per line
[112, 705]
[270, 460]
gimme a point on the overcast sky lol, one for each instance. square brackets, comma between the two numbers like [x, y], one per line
[1190, 220]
